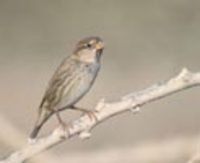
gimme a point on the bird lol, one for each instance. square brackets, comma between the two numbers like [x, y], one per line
[71, 81]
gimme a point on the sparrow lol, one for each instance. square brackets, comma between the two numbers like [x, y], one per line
[71, 81]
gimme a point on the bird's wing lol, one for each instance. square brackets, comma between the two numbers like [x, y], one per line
[56, 85]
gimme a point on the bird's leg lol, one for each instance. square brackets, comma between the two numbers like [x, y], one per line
[59, 118]
[90, 114]
[61, 122]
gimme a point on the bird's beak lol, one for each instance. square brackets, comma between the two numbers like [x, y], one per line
[99, 49]
[99, 46]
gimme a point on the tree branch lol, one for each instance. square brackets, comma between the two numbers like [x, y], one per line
[103, 111]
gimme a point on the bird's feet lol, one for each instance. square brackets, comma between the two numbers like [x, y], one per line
[91, 114]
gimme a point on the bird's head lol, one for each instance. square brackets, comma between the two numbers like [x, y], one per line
[89, 49]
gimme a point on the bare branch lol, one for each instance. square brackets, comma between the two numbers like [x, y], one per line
[103, 111]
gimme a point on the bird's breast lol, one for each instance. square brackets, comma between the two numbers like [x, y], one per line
[79, 85]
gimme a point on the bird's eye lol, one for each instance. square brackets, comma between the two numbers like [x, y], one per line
[88, 45]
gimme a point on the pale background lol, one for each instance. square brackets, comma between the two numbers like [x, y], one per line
[146, 42]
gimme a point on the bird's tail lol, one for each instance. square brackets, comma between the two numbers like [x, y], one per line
[43, 116]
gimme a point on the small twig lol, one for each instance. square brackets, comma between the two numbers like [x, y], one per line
[103, 111]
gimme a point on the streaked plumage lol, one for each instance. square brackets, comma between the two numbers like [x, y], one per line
[71, 81]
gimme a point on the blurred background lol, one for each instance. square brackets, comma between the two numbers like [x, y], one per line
[146, 42]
